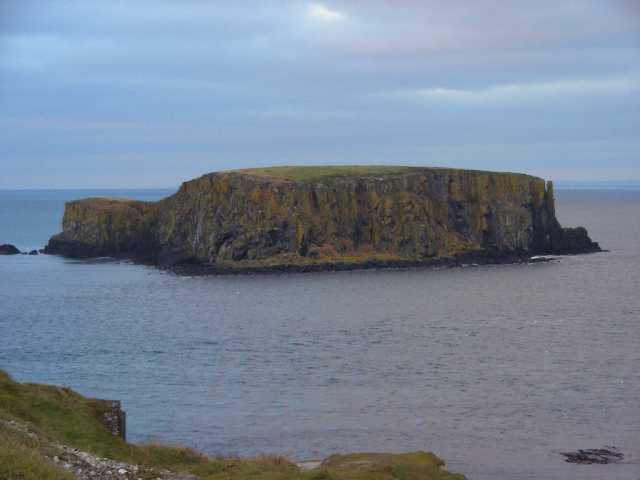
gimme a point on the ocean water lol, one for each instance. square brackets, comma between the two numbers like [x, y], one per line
[494, 368]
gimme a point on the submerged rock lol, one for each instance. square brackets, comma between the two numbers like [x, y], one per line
[604, 455]
[8, 249]
[327, 217]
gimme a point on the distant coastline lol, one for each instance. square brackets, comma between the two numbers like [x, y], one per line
[597, 185]
[166, 191]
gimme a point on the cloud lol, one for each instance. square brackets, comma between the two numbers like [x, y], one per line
[197, 86]
[322, 13]
[529, 91]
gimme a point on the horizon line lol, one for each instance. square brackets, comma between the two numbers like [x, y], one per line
[557, 184]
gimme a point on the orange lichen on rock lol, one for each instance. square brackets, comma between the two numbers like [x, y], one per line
[305, 215]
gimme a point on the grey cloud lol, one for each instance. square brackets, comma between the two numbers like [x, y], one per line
[140, 92]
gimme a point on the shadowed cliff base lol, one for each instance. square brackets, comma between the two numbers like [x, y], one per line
[327, 218]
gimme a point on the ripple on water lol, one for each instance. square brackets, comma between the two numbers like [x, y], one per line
[495, 368]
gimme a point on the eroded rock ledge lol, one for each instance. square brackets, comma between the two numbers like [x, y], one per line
[313, 218]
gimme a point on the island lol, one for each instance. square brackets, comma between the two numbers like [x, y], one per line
[295, 218]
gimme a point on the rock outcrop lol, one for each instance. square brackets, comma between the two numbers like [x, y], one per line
[8, 249]
[603, 456]
[323, 217]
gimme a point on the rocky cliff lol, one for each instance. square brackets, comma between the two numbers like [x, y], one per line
[324, 217]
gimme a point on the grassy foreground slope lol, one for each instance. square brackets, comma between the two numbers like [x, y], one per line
[36, 421]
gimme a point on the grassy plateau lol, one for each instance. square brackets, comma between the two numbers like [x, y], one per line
[321, 172]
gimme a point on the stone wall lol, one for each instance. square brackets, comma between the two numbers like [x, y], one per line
[114, 418]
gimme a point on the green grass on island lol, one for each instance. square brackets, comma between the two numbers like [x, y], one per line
[50, 415]
[315, 173]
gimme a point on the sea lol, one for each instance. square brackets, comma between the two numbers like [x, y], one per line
[497, 369]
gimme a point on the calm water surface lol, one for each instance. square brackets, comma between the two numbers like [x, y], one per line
[496, 369]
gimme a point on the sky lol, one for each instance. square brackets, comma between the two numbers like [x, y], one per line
[149, 93]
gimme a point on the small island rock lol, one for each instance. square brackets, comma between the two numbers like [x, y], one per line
[8, 249]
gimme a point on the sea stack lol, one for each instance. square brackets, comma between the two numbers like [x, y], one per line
[314, 218]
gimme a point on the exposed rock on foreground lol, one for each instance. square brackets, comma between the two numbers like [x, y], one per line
[308, 218]
[83, 465]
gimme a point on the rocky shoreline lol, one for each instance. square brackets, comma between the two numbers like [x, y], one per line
[461, 261]
[472, 259]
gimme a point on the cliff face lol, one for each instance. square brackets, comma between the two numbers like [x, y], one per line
[104, 226]
[326, 215]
